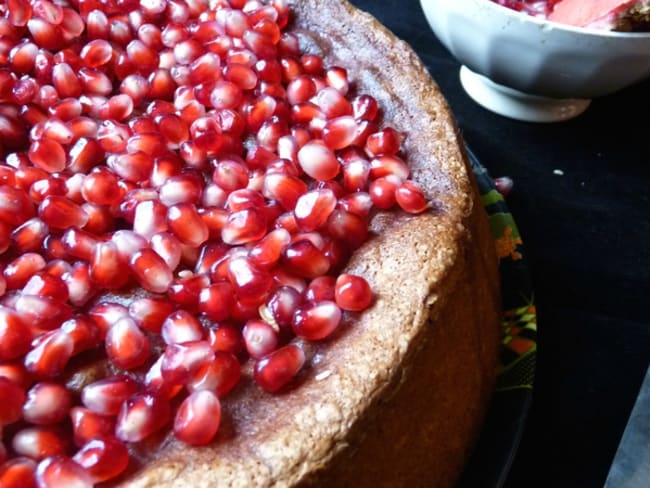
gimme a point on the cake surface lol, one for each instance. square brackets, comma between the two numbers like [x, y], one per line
[397, 396]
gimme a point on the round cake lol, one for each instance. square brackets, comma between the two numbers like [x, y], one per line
[397, 393]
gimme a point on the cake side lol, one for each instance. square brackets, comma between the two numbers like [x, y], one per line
[417, 266]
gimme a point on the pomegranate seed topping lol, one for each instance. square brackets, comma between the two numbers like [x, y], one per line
[277, 369]
[83, 331]
[107, 266]
[250, 283]
[103, 459]
[38, 443]
[316, 321]
[15, 335]
[47, 403]
[61, 213]
[220, 375]
[181, 361]
[151, 271]
[106, 396]
[248, 225]
[303, 258]
[410, 198]
[150, 313]
[319, 289]
[88, 425]
[180, 327]
[50, 357]
[18, 472]
[198, 418]
[260, 338]
[186, 224]
[62, 472]
[15, 206]
[13, 398]
[126, 345]
[318, 161]
[140, 416]
[216, 300]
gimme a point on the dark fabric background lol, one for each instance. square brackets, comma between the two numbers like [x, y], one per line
[587, 237]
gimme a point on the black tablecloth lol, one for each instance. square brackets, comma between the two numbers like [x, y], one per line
[582, 206]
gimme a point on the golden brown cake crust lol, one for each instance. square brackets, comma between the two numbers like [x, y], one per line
[397, 397]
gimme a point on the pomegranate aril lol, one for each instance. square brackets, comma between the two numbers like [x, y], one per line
[47, 403]
[15, 335]
[13, 396]
[51, 355]
[198, 417]
[316, 321]
[61, 472]
[79, 284]
[251, 284]
[186, 223]
[260, 338]
[182, 188]
[140, 416]
[303, 258]
[181, 326]
[347, 227]
[248, 225]
[411, 198]
[127, 347]
[277, 369]
[220, 375]
[151, 271]
[106, 396]
[320, 289]
[104, 458]
[181, 361]
[83, 331]
[150, 313]
[38, 442]
[18, 472]
[107, 266]
[88, 425]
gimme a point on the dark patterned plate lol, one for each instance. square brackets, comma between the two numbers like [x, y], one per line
[497, 445]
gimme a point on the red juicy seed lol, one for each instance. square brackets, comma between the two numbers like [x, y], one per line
[282, 305]
[384, 142]
[140, 416]
[113, 136]
[243, 199]
[103, 459]
[248, 225]
[15, 335]
[83, 331]
[106, 396]
[79, 243]
[365, 107]
[38, 443]
[15, 206]
[150, 313]
[65, 81]
[44, 34]
[88, 425]
[46, 284]
[314, 208]
[79, 284]
[62, 472]
[410, 198]
[48, 11]
[168, 247]
[47, 403]
[230, 175]
[286, 189]
[220, 375]
[332, 103]
[48, 155]
[22, 57]
[382, 191]
[151, 271]
[198, 418]
[226, 338]
[155, 383]
[318, 161]
[185, 290]
[347, 227]
[320, 288]
[126, 345]
[135, 86]
[388, 165]
[142, 56]
[96, 53]
[260, 338]
[337, 78]
[267, 252]
[278, 368]
[100, 187]
[135, 167]
[150, 216]
[54, 185]
[352, 293]
[305, 259]
[18, 472]
[181, 326]
[19, 12]
[250, 283]
[107, 266]
[60, 213]
[18, 271]
[183, 188]
[13, 397]
[316, 321]
[42, 312]
[181, 361]
[186, 223]
[16, 373]
[50, 357]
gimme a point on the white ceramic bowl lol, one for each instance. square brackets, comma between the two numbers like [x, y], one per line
[531, 69]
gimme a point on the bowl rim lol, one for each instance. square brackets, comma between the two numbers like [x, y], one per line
[549, 24]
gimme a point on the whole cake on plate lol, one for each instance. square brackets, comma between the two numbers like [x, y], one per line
[241, 246]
